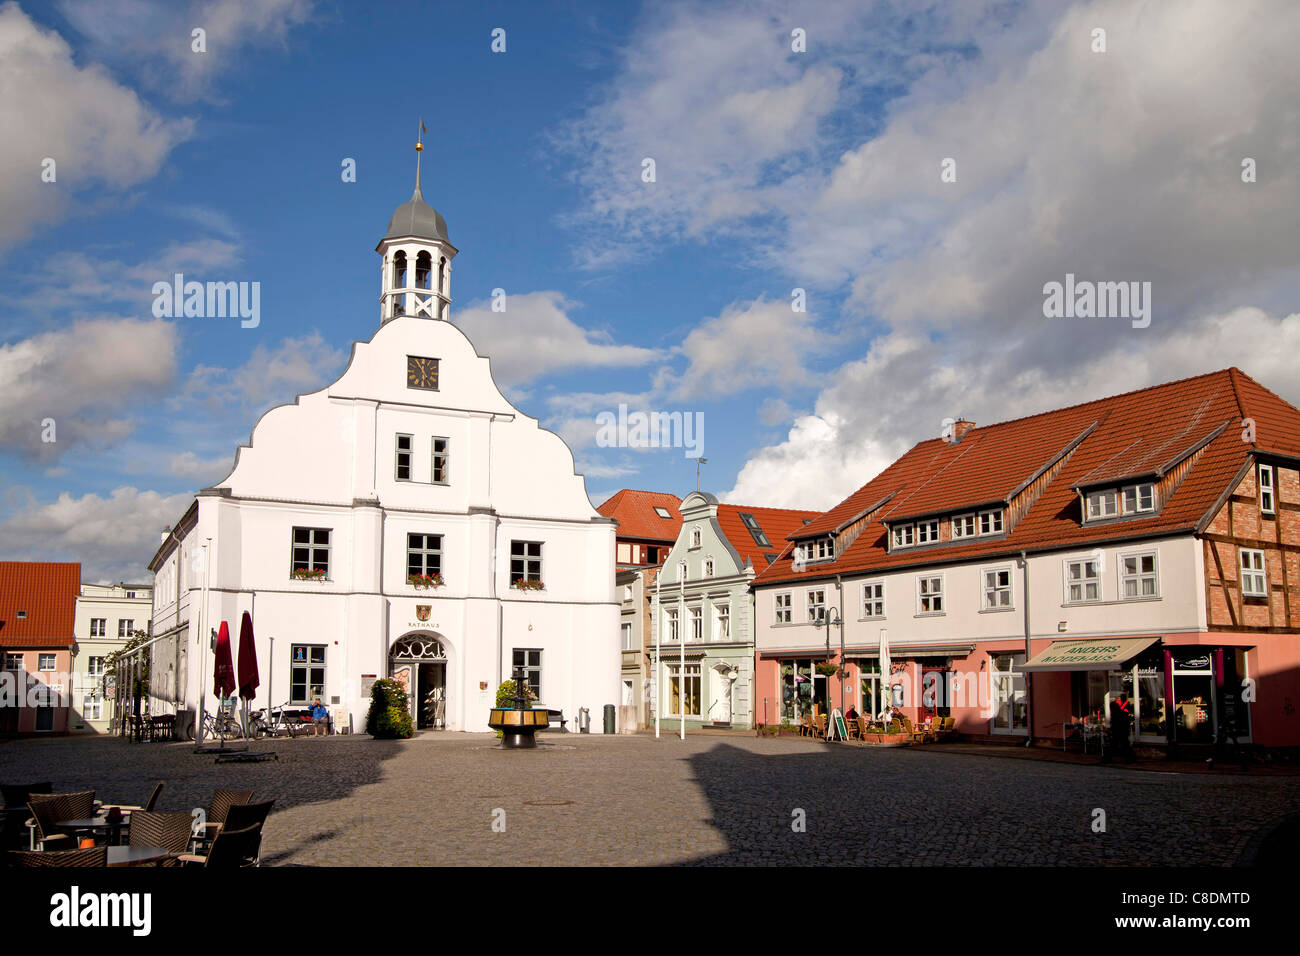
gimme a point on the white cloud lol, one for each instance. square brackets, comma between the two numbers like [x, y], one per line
[68, 376]
[760, 344]
[536, 337]
[155, 37]
[112, 537]
[96, 130]
[203, 470]
[270, 376]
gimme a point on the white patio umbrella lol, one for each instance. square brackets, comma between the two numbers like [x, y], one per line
[885, 683]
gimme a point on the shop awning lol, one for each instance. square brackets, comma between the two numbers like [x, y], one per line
[1098, 654]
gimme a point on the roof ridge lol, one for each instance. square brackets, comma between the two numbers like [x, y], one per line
[1103, 398]
[802, 511]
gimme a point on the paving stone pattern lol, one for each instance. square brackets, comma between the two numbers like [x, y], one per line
[592, 800]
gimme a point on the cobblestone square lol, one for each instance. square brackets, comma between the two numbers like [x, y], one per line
[710, 800]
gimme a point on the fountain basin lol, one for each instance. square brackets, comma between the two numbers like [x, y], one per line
[518, 727]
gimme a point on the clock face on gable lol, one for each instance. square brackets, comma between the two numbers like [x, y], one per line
[421, 372]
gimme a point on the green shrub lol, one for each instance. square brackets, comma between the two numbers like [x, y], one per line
[389, 717]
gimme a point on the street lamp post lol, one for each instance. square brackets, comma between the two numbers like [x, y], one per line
[829, 619]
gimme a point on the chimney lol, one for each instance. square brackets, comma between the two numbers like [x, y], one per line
[167, 529]
[959, 429]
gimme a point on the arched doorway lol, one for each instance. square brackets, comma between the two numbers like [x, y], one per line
[419, 663]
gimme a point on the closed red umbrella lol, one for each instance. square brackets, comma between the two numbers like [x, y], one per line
[223, 677]
[248, 679]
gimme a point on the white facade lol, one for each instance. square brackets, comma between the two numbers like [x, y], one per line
[356, 460]
[106, 617]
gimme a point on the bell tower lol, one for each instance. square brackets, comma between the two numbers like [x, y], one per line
[415, 258]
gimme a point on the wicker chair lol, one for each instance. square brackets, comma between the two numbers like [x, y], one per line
[48, 809]
[222, 801]
[230, 849]
[170, 831]
[90, 856]
[14, 821]
[245, 815]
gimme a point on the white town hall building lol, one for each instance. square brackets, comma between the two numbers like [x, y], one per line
[410, 469]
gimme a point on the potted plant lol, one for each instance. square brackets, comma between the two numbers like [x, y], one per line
[827, 669]
[388, 718]
[425, 580]
[308, 574]
[526, 584]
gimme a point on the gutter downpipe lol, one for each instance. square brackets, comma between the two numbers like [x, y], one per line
[1029, 677]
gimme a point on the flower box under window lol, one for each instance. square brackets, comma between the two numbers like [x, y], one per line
[425, 580]
[525, 584]
[308, 574]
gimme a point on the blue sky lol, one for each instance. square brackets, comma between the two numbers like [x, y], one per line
[776, 168]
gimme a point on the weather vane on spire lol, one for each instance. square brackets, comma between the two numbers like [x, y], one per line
[419, 148]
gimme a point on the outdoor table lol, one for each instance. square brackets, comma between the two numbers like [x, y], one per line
[136, 855]
[96, 825]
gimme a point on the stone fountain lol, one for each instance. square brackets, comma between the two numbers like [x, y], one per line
[519, 724]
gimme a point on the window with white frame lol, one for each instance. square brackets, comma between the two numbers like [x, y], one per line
[672, 624]
[525, 561]
[46, 662]
[1254, 575]
[681, 570]
[1139, 498]
[1266, 493]
[662, 512]
[683, 689]
[1138, 576]
[95, 666]
[98, 626]
[816, 606]
[13, 662]
[628, 640]
[91, 706]
[904, 535]
[311, 550]
[1082, 581]
[927, 532]
[306, 673]
[708, 567]
[963, 526]
[784, 605]
[402, 456]
[997, 588]
[990, 522]
[722, 622]
[124, 627]
[423, 555]
[441, 461]
[695, 537]
[822, 549]
[529, 660]
[1103, 504]
[873, 599]
[697, 624]
[929, 594]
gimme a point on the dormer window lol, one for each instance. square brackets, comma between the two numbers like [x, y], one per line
[963, 526]
[927, 532]
[1139, 498]
[821, 549]
[904, 535]
[991, 522]
[1103, 504]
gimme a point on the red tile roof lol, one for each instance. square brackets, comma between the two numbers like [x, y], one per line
[776, 523]
[1136, 431]
[47, 591]
[635, 513]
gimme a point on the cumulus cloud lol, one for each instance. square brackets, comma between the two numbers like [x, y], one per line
[202, 470]
[113, 537]
[155, 37]
[96, 130]
[85, 378]
[276, 375]
[535, 336]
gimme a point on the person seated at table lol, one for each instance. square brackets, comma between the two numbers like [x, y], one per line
[319, 719]
[886, 716]
[852, 714]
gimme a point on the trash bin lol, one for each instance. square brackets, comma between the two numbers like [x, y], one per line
[609, 719]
